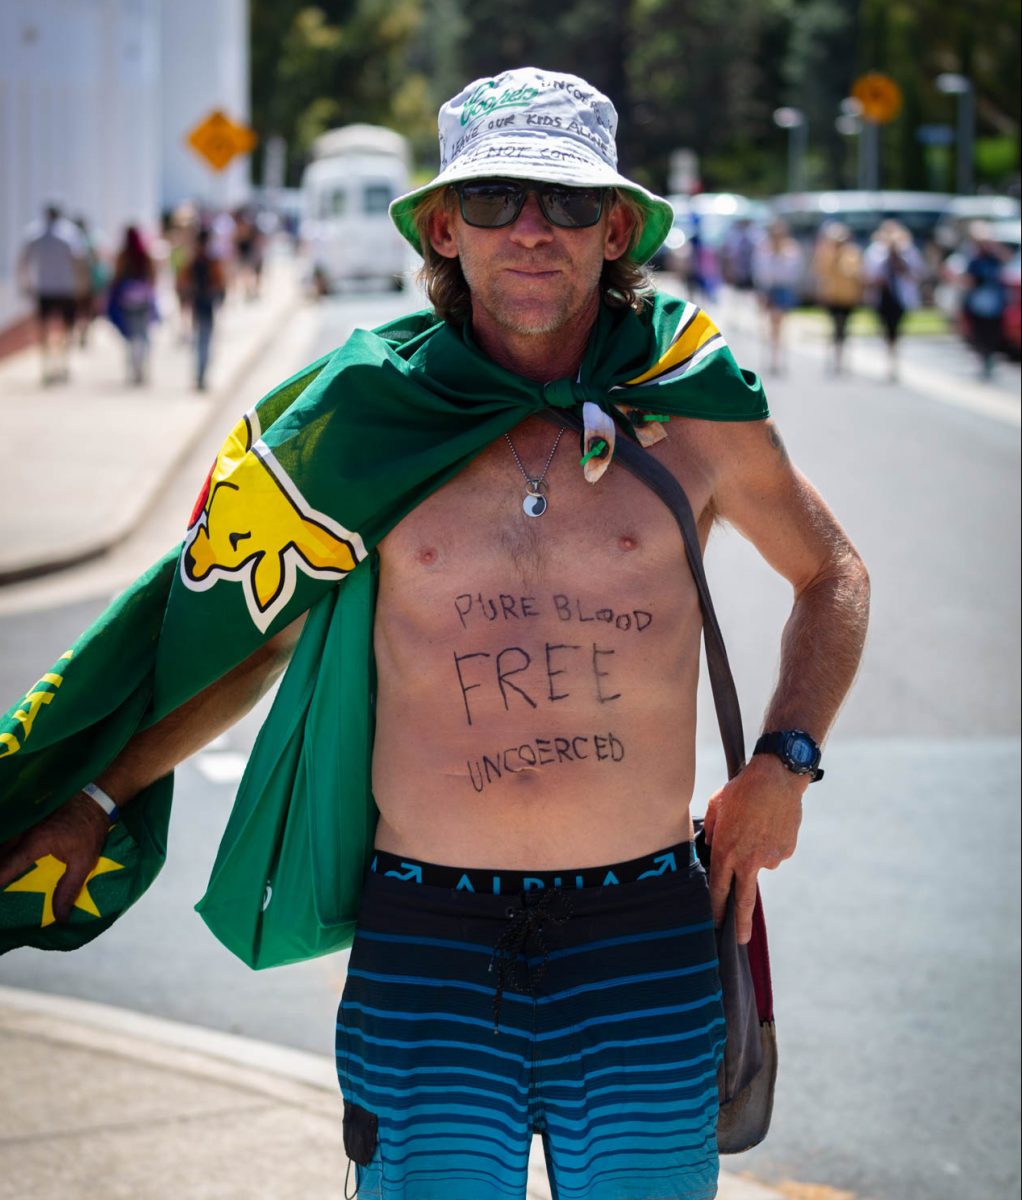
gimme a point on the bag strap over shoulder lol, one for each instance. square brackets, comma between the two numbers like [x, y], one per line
[656, 476]
[748, 1070]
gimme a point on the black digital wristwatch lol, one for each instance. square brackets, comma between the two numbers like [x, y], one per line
[796, 749]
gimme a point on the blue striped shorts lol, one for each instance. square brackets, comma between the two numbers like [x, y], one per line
[582, 1006]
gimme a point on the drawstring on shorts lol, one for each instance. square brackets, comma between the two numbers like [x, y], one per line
[510, 946]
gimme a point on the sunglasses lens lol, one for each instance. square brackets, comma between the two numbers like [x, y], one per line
[571, 208]
[493, 203]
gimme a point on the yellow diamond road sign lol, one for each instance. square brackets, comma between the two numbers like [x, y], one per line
[879, 96]
[218, 139]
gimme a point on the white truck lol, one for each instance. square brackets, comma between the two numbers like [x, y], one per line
[348, 237]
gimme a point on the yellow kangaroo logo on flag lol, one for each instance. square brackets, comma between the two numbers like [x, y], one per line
[252, 525]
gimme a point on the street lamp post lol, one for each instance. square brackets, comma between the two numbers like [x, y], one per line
[851, 124]
[794, 120]
[960, 86]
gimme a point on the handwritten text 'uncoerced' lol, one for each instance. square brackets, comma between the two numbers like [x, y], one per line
[543, 752]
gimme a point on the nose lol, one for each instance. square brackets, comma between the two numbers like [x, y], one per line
[532, 228]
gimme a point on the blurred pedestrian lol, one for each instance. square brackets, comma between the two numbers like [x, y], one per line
[893, 269]
[700, 270]
[985, 297]
[838, 279]
[92, 281]
[220, 223]
[132, 303]
[201, 282]
[179, 231]
[248, 252]
[50, 269]
[738, 252]
[777, 274]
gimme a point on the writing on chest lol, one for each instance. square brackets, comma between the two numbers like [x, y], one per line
[475, 609]
[544, 674]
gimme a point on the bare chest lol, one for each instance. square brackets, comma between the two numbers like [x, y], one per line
[476, 533]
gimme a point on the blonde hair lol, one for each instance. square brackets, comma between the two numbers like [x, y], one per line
[624, 283]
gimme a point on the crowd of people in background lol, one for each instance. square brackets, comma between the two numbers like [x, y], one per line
[888, 277]
[73, 277]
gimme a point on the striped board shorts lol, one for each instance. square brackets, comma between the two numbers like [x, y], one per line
[483, 1006]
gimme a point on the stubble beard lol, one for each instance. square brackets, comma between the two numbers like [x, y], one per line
[523, 318]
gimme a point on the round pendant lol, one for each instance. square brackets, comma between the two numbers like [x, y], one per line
[534, 505]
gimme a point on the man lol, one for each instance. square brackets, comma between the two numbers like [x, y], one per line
[53, 268]
[535, 948]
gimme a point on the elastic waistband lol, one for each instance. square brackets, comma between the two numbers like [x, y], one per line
[678, 859]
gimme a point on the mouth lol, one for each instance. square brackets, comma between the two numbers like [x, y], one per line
[533, 272]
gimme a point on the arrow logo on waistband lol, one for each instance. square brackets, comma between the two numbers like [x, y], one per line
[412, 873]
[667, 863]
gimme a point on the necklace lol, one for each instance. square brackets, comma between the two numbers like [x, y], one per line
[535, 503]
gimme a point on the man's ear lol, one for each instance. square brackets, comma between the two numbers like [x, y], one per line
[440, 228]
[618, 233]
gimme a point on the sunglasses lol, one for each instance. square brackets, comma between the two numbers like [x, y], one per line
[494, 203]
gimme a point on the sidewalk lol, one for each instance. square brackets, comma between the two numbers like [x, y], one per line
[102, 1101]
[101, 449]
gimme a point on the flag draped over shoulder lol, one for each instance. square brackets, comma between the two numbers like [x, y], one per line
[302, 491]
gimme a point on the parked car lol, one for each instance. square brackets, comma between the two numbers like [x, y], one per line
[1012, 278]
[963, 210]
[715, 212]
[701, 227]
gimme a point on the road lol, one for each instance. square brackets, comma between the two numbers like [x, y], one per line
[895, 954]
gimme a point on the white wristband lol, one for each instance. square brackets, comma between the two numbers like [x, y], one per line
[105, 802]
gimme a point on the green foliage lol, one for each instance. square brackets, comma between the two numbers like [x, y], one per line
[693, 74]
[319, 66]
[996, 158]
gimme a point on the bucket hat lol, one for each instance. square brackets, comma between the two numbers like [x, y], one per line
[533, 124]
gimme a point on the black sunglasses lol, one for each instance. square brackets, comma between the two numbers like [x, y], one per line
[494, 203]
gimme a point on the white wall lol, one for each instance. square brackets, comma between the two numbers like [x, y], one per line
[79, 95]
[205, 65]
[96, 97]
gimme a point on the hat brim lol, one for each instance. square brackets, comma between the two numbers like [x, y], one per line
[659, 216]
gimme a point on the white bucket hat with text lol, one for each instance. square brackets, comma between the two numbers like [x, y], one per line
[533, 124]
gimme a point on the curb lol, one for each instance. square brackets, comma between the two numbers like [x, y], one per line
[224, 1052]
[293, 1077]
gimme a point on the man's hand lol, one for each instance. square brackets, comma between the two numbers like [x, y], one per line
[751, 823]
[74, 834]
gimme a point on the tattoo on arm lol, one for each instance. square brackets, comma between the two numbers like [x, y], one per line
[777, 442]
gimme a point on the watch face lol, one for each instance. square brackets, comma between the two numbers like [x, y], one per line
[801, 751]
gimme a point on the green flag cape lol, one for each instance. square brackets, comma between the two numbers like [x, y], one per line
[302, 491]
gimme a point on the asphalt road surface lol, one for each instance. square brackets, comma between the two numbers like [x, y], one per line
[894, 931]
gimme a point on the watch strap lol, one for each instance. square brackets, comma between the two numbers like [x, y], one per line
[776, 742]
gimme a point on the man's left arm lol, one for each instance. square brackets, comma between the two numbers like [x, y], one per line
[753, 821]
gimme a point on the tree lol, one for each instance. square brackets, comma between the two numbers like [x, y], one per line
[317, 67]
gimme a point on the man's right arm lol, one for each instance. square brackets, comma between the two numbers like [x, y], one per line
[76, 831]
